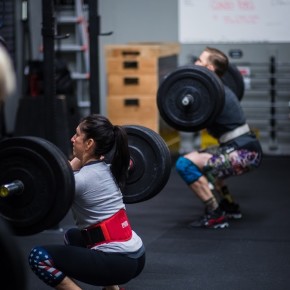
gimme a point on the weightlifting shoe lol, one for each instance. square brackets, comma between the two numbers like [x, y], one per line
[231, 209]
[211, 220]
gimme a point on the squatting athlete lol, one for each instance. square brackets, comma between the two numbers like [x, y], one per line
[238, 152]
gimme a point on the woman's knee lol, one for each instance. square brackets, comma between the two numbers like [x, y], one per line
[41, 263]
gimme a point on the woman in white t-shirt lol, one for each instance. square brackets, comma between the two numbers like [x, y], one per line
[103, 250]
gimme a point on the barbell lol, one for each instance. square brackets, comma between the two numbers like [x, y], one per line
[37, 182]
[190, 97]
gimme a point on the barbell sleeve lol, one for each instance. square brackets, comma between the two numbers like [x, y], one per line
[9, 189]
[187, 100]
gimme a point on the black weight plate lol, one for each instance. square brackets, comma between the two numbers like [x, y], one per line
[24, 163]
[48, 184]
[151, 164]
[206, 95]
[65, 184]
[234, 80]
[13, 270]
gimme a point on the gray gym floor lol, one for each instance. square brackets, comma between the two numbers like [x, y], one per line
[253, 253]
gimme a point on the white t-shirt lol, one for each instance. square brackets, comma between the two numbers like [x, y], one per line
[97, 198]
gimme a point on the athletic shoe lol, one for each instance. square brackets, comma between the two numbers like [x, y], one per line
[212, 220]
[231, 209]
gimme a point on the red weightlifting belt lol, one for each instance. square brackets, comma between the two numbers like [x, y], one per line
[114, 229]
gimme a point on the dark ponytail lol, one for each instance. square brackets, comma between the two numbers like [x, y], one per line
[121, 156]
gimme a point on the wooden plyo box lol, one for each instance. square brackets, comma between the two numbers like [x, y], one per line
[127, 85]
[134, 110]
[142, 49]
[131, 65]
[135, 58]
[134, 72]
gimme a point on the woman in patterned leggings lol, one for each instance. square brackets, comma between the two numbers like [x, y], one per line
[239, 151]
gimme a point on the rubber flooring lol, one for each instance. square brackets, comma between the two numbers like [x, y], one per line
[253, 253]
